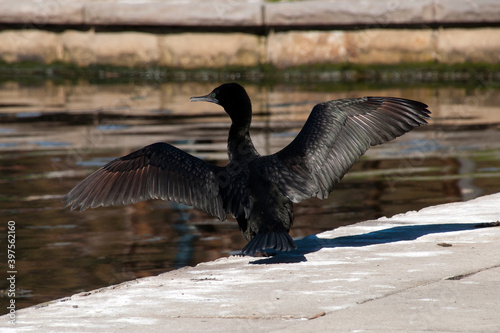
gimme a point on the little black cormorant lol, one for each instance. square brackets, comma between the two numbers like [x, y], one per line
[258, 190]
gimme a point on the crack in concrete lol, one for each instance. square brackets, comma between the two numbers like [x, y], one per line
[452, 278]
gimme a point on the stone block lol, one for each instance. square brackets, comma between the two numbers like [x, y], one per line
[287, 49]
[37, 14]
[119, 49]
[389, 46]
[348, 12]
[467, 11]
[126, 48]
[199, 50]
[29, 45]
[78, 47]
[200, 13]
[382, 46]
[468, 45]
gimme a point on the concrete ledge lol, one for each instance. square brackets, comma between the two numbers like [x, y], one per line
[432, 270]
[256, 13]
[248, 36]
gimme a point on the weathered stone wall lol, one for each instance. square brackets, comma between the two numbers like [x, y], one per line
[249, 33]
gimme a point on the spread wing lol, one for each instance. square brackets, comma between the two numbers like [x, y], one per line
[333, 138]
[157, 171]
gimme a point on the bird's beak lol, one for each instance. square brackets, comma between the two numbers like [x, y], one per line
[207, 98]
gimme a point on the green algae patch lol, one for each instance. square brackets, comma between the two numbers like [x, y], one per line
[408, 73]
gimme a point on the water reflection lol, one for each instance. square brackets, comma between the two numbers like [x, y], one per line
[53, 135]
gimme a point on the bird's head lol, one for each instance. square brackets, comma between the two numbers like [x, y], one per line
[233, 98]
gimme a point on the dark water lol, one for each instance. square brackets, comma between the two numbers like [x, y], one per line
[53, 135]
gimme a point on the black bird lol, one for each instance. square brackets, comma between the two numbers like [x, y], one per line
[258, 190]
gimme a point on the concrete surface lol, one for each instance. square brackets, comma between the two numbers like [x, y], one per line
[434, 270]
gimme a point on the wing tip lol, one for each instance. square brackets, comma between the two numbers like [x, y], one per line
[73, 203]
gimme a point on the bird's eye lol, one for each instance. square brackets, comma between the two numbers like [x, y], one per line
[212, 95]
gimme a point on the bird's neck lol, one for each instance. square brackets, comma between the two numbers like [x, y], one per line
[239, 144]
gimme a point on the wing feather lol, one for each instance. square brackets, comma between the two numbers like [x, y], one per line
[334, 137]
[157, 171]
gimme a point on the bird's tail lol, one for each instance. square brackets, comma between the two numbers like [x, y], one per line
[275, 240]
